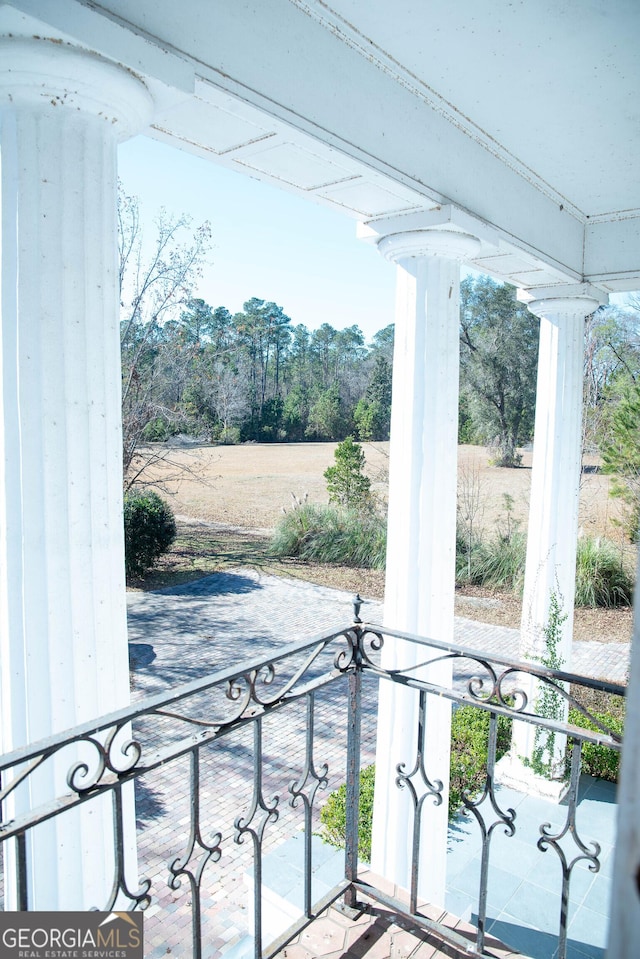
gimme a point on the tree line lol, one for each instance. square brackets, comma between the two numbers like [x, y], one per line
[192, 367]
[253, 375]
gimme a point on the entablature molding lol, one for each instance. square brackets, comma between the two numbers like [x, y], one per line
[444, 217]
[494, 254]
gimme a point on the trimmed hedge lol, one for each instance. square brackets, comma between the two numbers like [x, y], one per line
[469, 746]
[599, 761]
[333, 815]
[149, 531]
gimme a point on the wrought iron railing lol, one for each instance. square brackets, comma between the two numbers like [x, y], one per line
[210, 760]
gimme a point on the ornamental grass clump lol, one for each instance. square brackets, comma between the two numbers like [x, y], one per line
[496, 562]
[349, 531]
[330, 534]
[602, 578]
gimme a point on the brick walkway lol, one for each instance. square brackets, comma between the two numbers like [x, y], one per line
[198, 627]
[189, 631]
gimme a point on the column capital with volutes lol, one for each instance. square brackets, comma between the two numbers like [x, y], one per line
[579, 299]
[47, 75]
[448, 244]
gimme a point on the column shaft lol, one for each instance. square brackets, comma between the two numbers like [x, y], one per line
[555, 492]
[63, 640]
[555, 478]
[62, 446]
[420, 579]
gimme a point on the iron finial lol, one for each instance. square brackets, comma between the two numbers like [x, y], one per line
[357, 604]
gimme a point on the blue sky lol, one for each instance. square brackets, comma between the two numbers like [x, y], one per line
[266, 242]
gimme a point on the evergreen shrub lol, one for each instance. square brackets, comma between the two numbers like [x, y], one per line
[149, 531]
[347, 484]
[156, 431]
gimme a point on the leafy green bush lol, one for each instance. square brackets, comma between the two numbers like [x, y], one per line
[621, 449]
[156, 431]
[507, 457]
[468, 773]
[330, 534]
[601, 576]
[229, 436]
[600, 761]
[149, 531]
[333, 815]
[469, 745]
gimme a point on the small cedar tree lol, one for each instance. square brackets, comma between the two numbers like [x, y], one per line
[347, 484]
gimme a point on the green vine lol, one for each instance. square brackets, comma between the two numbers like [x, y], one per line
[549, 703]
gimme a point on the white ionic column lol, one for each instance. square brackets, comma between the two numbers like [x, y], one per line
[63, 641]
[420, 578]
[555, 490]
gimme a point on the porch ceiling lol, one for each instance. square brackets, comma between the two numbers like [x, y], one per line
[550, 85]
[525, 116]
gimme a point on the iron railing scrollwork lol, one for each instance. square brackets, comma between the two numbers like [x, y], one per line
[505, 818]
[421, 788]
[303, 790]
[585, 853]
[192, 866]
[100, 761]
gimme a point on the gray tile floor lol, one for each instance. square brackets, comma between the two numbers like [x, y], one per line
[523, 903]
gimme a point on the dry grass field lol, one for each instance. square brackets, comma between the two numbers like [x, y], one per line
[230, 497]
[247, 486]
